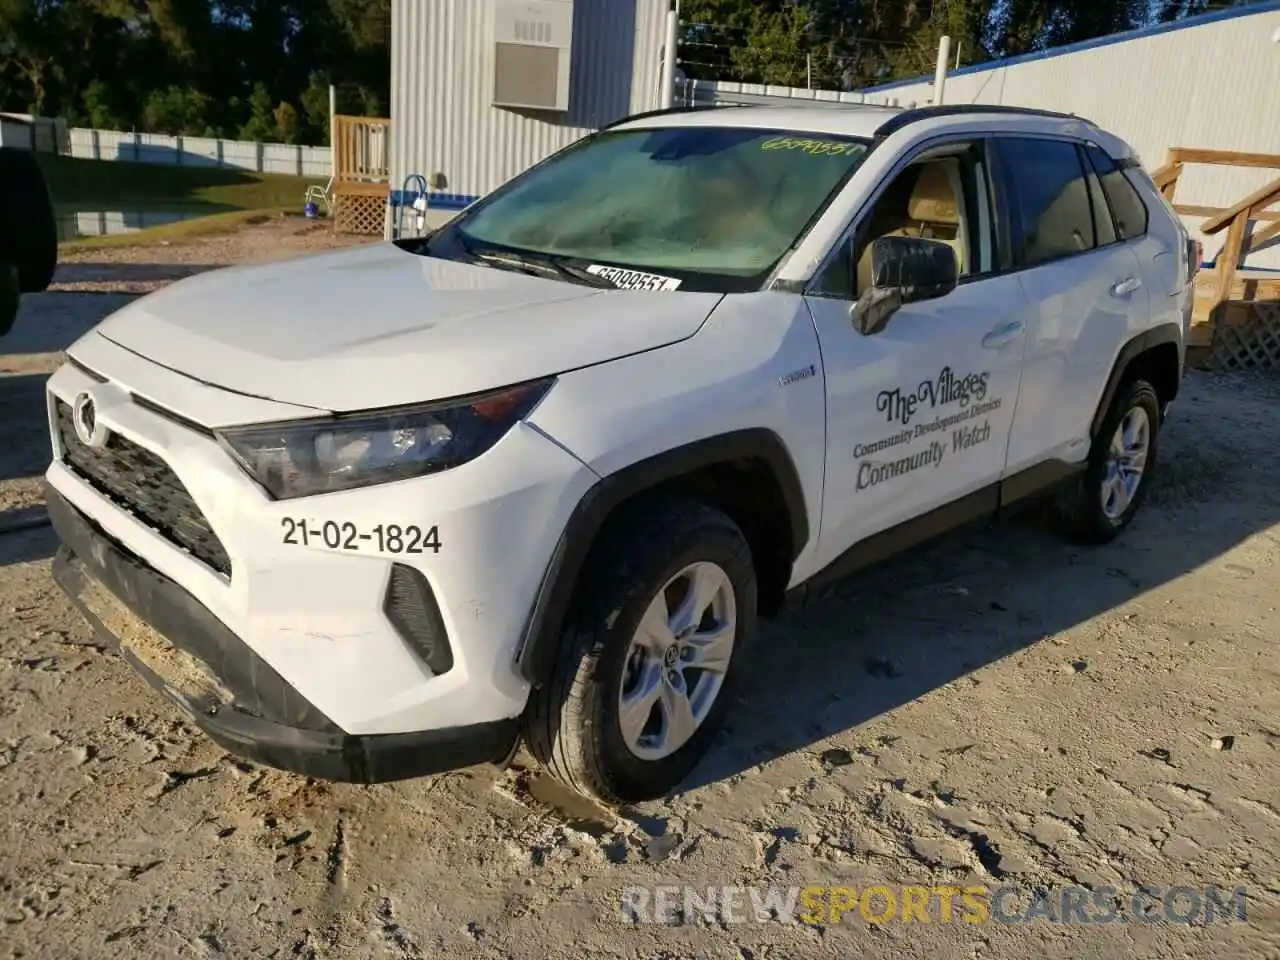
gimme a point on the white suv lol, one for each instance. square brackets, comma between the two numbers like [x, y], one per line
[388, 511]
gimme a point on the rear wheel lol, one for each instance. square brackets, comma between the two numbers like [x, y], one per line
[1104, 500]
[649, 654]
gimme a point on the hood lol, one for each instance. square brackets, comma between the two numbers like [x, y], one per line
[377, 326]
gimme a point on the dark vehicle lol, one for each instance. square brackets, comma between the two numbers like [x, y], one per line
[28, 232]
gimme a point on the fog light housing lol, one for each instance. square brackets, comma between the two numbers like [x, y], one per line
[412, 609]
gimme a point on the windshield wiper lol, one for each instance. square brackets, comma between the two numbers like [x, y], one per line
[539, 266]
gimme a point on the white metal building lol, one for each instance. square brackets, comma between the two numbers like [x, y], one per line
[482, 89]
[1206, 82]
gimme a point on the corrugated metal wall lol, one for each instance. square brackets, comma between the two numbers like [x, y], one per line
[1212, 82]
[1212, 86]
[442, 65]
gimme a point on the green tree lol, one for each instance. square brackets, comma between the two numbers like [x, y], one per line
[30, 43]
[261, 124]
[176, 110]
[99, 108]
[315, 109]
[287, 123]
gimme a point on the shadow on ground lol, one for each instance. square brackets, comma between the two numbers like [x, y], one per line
[940, 613]
[50, 322]
[141, 273]
[25, 535]
[24, 426]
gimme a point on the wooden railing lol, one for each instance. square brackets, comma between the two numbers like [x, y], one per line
[1239, 219]
[362, 150]
[362, 173]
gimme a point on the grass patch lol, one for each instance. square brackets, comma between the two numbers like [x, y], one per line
[102, 183]
[182, 231]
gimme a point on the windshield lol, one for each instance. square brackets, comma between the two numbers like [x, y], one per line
[708, 208]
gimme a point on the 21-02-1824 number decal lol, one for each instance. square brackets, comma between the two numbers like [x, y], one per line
[381, 538]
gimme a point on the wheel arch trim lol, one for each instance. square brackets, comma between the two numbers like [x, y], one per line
[1132, 349]
[541, 636]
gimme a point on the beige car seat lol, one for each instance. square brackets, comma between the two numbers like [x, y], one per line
[933, 213]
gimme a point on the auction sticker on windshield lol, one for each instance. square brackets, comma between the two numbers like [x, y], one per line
[634, 279]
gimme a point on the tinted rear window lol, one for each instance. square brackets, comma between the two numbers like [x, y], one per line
[1126, 204]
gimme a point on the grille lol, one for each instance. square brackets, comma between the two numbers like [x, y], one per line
[135, 479]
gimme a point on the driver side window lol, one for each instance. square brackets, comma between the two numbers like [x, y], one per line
[943, 194]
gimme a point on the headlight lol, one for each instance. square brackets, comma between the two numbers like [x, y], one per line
[304, 457]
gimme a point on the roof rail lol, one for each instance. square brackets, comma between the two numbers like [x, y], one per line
[663, 111]
[763, 101]
[894, 124]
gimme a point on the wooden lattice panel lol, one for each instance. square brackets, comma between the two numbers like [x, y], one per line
[1254, 345]
[360, 214]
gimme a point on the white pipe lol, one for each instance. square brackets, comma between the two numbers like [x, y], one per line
[333, 149]
[940, 73]
[668, 92]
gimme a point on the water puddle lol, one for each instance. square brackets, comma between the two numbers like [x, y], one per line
[76, 221]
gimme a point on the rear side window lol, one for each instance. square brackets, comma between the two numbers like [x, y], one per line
[1052, 213]
[1102, 220]
[1126, 205]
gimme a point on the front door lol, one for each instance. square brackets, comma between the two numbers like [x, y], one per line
[919, 413]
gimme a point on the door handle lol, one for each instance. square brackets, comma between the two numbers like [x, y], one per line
[1122, 288]
[997, 337]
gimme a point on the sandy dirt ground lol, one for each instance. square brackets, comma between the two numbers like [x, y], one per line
[998, 710]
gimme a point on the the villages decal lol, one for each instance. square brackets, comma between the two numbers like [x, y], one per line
[968, 392]
[943, 390]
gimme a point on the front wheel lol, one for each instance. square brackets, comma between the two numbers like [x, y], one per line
[649, 654]
[1104, 500]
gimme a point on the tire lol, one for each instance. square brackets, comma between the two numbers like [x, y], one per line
[1080, 512]
[28, 229]
[9, 296]
[574, 725]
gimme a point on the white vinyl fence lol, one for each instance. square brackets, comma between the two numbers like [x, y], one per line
[163, 150]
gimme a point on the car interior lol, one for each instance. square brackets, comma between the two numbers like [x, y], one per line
[926, 200]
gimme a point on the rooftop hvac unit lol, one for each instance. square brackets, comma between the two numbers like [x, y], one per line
[532, 46]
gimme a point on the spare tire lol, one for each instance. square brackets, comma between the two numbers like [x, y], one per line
[28, 230]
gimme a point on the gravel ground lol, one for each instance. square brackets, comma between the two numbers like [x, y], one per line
[997, 709]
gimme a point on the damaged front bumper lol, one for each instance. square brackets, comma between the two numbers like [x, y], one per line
[227, 690]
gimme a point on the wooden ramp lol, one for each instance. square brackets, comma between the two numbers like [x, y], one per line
[362, 173]
[1236, 321]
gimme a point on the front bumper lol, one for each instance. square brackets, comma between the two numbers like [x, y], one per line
[227, 690]
[327, 613]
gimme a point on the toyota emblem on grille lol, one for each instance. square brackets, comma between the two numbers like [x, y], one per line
[84, 417]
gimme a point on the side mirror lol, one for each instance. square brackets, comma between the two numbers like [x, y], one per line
[28, 232]
[903, 270]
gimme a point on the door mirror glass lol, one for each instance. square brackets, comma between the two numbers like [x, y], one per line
[904, 270]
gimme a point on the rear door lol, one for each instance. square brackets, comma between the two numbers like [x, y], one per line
[1085, 287]
[1157, 237]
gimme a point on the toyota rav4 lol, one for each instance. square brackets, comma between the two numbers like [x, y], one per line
[535, 476]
